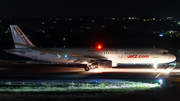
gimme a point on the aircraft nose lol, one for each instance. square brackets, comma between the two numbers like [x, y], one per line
[173, 58]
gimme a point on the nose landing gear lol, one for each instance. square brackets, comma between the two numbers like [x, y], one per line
[155, 66]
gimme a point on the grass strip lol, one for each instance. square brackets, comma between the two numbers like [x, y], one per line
[78, 87]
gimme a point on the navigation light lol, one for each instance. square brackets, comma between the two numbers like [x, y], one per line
[99, 47]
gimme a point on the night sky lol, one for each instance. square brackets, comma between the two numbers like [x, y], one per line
[71, 8]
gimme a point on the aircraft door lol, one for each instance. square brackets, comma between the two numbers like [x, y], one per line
[34, 56]
[120, 53]
[155, 53]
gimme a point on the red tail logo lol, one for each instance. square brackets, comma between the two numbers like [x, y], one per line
[21, 34]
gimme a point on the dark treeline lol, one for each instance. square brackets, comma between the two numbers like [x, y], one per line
[76, 33]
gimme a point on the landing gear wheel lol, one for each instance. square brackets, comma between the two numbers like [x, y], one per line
[87, 68]
[155, 66]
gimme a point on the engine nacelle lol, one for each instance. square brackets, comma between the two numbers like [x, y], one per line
[83, 62]
[104, 64]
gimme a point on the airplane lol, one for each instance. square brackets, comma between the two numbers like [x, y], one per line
[88, 56]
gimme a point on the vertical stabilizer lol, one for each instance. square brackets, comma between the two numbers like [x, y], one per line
[19, 38]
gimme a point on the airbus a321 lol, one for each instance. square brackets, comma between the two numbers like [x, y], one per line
[88, 56]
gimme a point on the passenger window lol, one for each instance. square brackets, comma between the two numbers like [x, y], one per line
[165, 52]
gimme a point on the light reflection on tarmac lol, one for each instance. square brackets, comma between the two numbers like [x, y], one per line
[43, 72]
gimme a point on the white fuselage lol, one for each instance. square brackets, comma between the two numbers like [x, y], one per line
[76, 55]
[24, 47]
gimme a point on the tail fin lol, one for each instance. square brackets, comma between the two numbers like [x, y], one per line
[19, 38]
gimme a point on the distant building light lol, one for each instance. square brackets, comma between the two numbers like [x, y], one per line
[70, 19]
[145, 19]
[54, 21]
[6, 31]
[154, 18]
[51, 27]
[133, 18]
[160, 19]
[137, 18]
[0, 20]
[172, 32]
[43, 23]
[103, 26]
[123, 18]
[161, 35]
[125, 27]
[10, 19]
[42, 30]
[113, 18]
[81, 26]
[178, 22]
[50, 18]
[87, 27]
[71, 30]
[64, 39]
[66, 19]
[129, 18]
[80, 19]
[170, 18]
[92, 20]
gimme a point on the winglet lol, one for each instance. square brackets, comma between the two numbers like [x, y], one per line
[19, 38]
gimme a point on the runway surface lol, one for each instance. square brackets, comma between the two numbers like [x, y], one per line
[76, 73]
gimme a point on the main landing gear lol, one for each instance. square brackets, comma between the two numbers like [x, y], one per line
[87, 68]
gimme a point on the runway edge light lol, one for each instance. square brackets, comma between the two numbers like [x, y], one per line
[96, 81]
[160, 81]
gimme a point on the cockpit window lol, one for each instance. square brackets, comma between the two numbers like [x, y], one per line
[165, 52]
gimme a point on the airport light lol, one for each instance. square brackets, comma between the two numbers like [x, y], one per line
[96, 81]
[160, 81]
